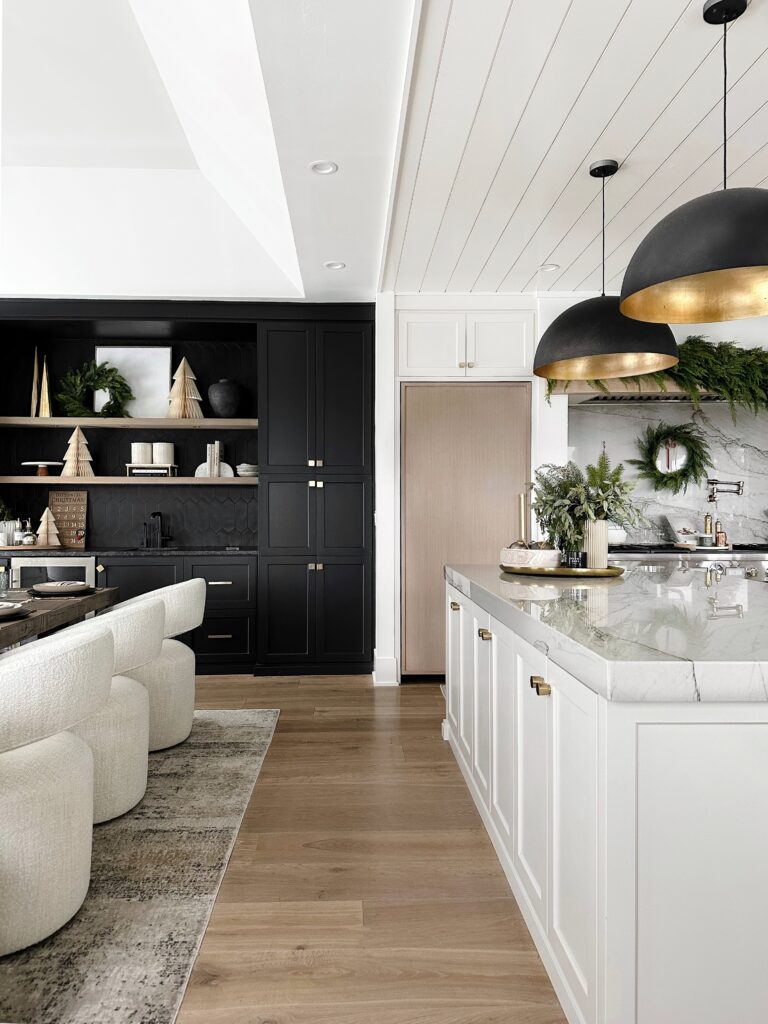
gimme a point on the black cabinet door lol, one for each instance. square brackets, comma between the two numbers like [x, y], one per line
[287, 514]
[344, 517]
[344, 611]
[344, 389]
[286, 397]
[138, 574]
[286, 620]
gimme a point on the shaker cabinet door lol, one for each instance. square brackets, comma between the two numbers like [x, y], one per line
[344, 631]
[286, 621]
[431, 344]
[344, 519]
[287, 513]
[138, 574]
[286, 361]
[344, 398]
[483, 641]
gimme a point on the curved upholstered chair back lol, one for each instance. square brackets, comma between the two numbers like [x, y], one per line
[138, 631]
[49, 685]
[184, 605]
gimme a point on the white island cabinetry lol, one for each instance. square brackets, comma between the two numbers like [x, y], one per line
[633, 833]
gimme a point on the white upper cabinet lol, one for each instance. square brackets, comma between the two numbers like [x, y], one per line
[432, 344]
[449, 344]
[500, 344]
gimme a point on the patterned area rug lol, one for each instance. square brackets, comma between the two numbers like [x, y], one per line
[127, 955]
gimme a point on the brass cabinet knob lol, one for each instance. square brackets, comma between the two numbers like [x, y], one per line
[462, 365]
[455, 606]
[536, 681]
[319, 462]
[485, 634]
[471, 365]
[543, 689]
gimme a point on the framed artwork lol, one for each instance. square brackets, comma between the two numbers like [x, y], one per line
[148, 371]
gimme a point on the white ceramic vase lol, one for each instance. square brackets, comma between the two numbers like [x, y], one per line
[596, 543]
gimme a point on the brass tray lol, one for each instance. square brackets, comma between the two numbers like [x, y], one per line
[561, 570]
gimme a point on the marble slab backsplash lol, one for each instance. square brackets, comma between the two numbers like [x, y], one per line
[739, 451]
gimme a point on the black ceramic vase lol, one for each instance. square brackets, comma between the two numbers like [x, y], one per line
[225, 397]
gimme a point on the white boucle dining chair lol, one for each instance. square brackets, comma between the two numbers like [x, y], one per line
[46, 781]
[170, 678]
[118, 733]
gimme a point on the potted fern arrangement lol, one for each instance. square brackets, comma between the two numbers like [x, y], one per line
[573, 507]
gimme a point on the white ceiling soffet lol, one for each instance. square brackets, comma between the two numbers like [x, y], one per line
[511, 101]
[147, 150]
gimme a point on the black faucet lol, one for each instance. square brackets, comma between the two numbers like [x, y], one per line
[154, 534]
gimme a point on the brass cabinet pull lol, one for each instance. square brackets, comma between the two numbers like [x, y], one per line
[536, 681]
[310, 462]
[543, 689]
[471, 366]
[311, 483]
[455, 606]
[485, 634]
[219, 636]
[311, 566]
[319, 462]
[319, 566]
[319, 483]
[220, 583]
[462, 365]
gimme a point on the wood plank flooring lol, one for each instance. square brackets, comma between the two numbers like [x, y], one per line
[362, 888]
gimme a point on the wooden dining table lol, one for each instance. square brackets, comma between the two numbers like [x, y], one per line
[49, 613]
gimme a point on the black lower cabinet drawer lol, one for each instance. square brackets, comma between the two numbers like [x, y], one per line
[230, 582]
[225, 636]
[138, 574]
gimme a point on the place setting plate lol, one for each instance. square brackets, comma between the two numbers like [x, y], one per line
[10, 610]
[61, 588]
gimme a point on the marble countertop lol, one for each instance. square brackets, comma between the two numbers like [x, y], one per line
[658, 633]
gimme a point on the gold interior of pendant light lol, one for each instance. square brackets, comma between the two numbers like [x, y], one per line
[717, 295]
[606, 366]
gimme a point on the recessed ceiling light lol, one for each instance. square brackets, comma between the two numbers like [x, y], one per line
[334, 265]
[549, 268]
[323, 167]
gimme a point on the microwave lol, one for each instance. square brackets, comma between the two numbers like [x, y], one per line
[27, 570]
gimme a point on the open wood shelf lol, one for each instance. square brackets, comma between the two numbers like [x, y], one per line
[95, 481]
[128, 423]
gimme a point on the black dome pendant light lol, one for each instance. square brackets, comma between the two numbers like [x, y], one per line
[708, 260]
[592, 339]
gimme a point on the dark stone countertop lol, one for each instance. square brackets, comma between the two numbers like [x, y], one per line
[169, 552]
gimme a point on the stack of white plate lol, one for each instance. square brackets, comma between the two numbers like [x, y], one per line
[247, 469]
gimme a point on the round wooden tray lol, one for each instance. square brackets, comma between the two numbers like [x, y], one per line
[561, 570]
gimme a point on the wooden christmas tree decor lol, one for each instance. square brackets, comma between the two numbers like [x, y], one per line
[48, 533]
[77, 458]
[35, 400]
[45, 392]
[184, 397]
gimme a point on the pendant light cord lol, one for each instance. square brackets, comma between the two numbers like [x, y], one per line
[603, 181]
[725, 107]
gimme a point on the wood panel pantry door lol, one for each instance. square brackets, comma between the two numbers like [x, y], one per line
[465, 458]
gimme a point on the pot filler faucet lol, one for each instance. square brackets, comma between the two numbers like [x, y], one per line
[724, 487]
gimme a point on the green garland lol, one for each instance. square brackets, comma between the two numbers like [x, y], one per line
[655, 438]
[77, 384]
[739, 376]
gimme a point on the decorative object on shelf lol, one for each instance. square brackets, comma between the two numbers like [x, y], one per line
[706, 261]
[534, 557]
[225, 397]
[592, 339]
[77, 387]
[247, 469]
[77, 458]
[44, 410]
[141, 453]
[184, 398]
[684, 529]
[163, 453]
[42, 467]
[225, 470]
[35, 397]
[147, 369]
[28, 536]
[70, 510]
[48, 532]
[673, 456]
[156, 469]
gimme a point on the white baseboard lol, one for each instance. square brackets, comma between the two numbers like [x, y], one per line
[385, 672]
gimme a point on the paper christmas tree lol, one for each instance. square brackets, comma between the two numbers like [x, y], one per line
[44, 409]
[77, 458]
[48, 533]
[184, 397]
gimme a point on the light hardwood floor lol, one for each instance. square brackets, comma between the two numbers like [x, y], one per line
[362, 887]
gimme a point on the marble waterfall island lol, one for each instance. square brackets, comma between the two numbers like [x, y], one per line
[614, 737]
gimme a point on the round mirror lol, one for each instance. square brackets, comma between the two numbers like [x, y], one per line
[671, 457]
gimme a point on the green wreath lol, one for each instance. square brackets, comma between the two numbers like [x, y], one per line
[76, 386]
[651, 442]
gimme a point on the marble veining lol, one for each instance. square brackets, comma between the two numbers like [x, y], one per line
[659, 633]
[738, 451]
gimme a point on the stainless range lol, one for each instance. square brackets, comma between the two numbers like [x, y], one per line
[746, 560]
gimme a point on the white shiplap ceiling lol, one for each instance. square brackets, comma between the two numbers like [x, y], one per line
[511, 101]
